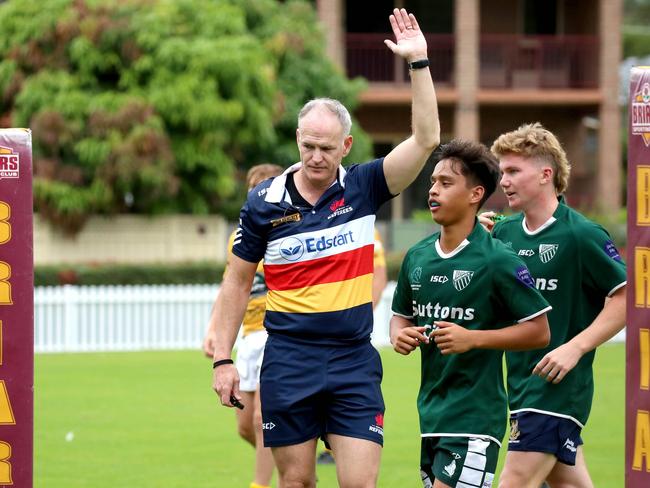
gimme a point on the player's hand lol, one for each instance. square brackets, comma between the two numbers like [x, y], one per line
[485, 220]
[452, 338]
[411, 44]
[209, 342]
[225, 382]
[408, 339]
[555, 365]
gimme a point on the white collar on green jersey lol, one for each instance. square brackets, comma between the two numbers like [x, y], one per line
[277, 190]
[447, 255]
[539, 229]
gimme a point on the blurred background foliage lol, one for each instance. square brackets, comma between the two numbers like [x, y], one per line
[160, 106]
[636, 28]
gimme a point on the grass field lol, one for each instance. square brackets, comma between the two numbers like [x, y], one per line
[150, 419]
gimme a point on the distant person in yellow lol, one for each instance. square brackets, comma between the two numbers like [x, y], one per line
[250, 351]
[380, 275]
[379, 280]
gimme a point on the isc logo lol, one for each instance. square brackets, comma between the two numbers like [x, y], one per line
[526, 252]
[439, 279]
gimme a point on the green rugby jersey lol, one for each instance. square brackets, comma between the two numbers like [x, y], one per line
[575, 266]
[480, 285]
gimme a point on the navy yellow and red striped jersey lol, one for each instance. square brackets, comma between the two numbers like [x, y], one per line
[318, 263]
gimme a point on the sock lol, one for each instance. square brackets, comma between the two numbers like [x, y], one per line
[255, 485]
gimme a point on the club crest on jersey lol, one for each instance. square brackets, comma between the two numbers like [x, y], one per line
[415, 276]
[547, 252]
[462, 279]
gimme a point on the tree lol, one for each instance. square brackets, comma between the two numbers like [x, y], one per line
[636, 28]
[151, 106]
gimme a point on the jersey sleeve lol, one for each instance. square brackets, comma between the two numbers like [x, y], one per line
[402, 296]
[250, 237]
[370, 179]
[602, 266]
[515, 289]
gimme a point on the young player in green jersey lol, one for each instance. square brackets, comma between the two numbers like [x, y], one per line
[576, 267]
[458, 295]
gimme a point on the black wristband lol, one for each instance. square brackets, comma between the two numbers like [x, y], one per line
[221, 362]
[419, 64]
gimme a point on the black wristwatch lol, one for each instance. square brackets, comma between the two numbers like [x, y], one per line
[419, 64]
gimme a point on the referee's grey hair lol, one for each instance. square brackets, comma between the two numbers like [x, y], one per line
[334, 106]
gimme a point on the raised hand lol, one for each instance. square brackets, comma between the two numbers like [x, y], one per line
[411, 44]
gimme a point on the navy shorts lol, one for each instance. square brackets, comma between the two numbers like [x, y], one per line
[309, 391]
[539, 432]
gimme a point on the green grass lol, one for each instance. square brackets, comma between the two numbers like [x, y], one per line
[150, 419]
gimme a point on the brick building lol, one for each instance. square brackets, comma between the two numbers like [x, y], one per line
[495, 64]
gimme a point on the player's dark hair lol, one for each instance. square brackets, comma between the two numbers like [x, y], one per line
[476, 162]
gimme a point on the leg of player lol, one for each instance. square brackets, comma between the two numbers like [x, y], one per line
[263, 456]
[565, 476]
[357, 461]
[245, 418]
[296, 465]
[526, 469]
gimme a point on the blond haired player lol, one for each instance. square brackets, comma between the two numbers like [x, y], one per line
[250, 351]
[577, 268]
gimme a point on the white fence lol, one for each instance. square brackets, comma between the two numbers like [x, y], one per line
[126, 318]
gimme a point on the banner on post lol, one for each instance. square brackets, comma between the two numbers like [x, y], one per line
[16, 309]
[637, 415]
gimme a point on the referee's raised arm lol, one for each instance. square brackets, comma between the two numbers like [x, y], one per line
[404, 162]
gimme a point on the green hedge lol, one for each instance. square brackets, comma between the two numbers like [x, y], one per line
[150, 274]
[129, 274]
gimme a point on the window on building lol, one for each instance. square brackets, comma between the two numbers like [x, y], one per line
[438, 19]
[540, 17]
[368, 20]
